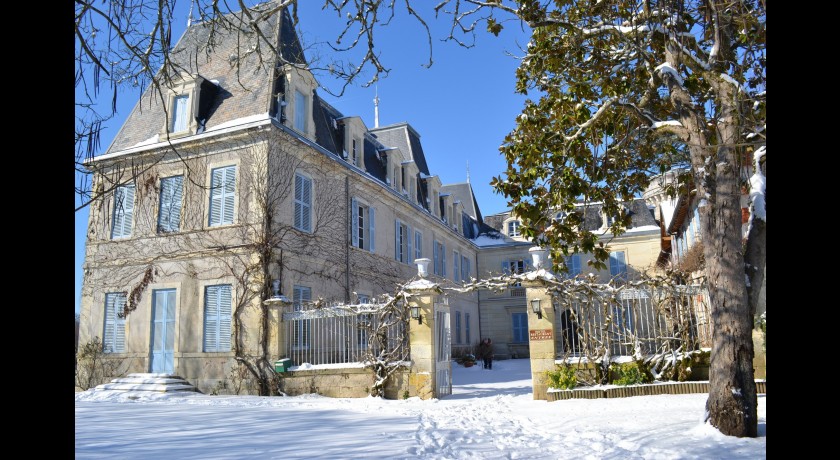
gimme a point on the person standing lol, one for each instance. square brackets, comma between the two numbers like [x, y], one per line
[485, 351]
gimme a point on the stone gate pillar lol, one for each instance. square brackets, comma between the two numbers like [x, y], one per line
[421, 380]
[542, 343]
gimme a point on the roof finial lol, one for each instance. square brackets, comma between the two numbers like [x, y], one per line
[189, 16]
[468, 171]
[376, 108]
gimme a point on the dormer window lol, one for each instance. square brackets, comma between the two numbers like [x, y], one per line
[180, 113]
[301, 103]
[189, 106]
[513, 228]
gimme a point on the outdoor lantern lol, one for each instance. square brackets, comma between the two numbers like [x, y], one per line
[535, 306]
[415, 313]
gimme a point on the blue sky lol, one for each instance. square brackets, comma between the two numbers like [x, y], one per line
[462, 106]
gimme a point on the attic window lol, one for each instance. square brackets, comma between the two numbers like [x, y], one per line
[180, 113]
[300, 111]
[189, 106]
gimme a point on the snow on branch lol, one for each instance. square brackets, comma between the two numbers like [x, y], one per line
[606, 105]
[666, 67]
[758, 185]
[731, 80]
[660, 124]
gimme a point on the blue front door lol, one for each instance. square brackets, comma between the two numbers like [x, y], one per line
[163, 332]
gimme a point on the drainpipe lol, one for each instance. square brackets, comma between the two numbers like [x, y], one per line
[347, 233]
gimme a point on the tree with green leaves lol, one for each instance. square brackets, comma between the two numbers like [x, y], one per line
[630, 89]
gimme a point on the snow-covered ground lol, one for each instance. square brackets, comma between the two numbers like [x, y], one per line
[490, 415]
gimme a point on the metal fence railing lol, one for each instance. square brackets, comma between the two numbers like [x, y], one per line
[340, 334]
[645, 321]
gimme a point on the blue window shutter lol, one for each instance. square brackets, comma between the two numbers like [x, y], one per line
[211, 319]
[303, 203]
[410, 256]
[372, 223]
[123, 211]
[169, 215]
[456, 266]
[222, 195]
[397, 240]
[458, 327]
[225, 312]
[307, 200]
[354, 222]
[216, 197]
[114, 333]
[229, 194]
[467, 325]
[436, 257]
[298, 203]
[443, 259]
[506, 266]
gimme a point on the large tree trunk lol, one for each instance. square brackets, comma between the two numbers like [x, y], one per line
[732, 403]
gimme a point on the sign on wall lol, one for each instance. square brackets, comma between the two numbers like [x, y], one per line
[541, 334]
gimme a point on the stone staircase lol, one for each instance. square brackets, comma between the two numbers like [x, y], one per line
[164, 383]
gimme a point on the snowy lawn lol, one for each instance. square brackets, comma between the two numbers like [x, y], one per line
[491, 414]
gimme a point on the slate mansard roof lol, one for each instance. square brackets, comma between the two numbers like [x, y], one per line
[244, 90]
[640, 216]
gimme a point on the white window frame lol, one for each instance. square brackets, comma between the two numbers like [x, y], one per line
[513, 228]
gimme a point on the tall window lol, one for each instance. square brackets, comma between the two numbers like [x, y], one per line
[456, 266]
[520, 327]
[355, 153]
[180, 113]
[402, 242]
[440, 258]
[465, 269]
[513, 228]
[300, 111]
[169, 214]
[618, 265]
[300, 334]
[458, 327]
[513, 266]
[123, 211]
[573, 263]
[303, 202]
[222, 195]
[418, 244]
[363, 225]
[467, 328]
[217, 318]
[114, 334]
